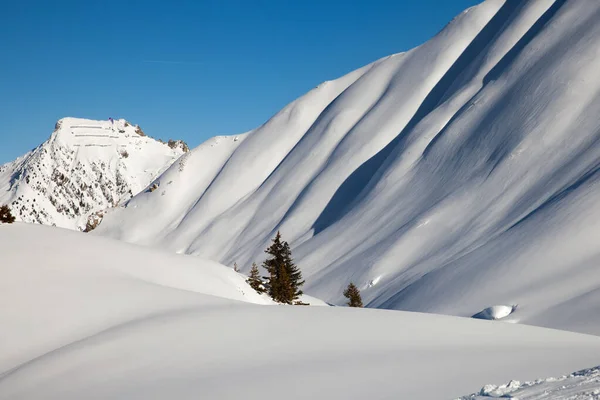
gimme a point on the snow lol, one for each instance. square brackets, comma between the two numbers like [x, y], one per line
[84, 167]
[455, 176]
[495, 312]
[94, 318]
[76, 285]
[581, 385]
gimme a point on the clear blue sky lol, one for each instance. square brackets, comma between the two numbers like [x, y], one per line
[188, 69]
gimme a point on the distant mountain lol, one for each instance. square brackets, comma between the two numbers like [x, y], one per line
[458, 176]
[84, 168]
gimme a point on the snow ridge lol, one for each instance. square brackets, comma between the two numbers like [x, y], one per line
[84, 167]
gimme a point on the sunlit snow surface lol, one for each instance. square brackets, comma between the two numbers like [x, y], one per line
[90, 318]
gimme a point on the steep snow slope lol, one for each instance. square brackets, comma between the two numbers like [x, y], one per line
[84, 167]
[90, 318]
[454, 177]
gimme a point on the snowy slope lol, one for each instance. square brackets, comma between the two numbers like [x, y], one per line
[454, 177]
[91, 318]
[77, 285]
[581, 385]
[84, 167]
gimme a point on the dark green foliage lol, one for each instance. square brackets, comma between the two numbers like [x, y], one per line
[5, 215]
[353, 295]
[285, 279]
[254, 279]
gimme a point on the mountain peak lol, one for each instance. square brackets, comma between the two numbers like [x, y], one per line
[79, 132]
[84, 167]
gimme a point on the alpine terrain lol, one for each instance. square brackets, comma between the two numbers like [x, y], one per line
[460, 177]
[84, 168]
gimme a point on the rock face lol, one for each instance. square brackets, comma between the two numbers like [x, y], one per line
[84, 167]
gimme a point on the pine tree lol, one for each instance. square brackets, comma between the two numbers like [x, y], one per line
[285, 279]
[293, 276]
[5, 215]
[272, 266]
[254, 279]
[353, 295]
[235, 267]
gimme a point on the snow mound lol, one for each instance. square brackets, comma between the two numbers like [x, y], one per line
[91, 318]
[582, 385]
[85, 166]
[495, 312]
[84, 284]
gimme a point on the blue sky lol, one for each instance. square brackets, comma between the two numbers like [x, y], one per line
[188, 69]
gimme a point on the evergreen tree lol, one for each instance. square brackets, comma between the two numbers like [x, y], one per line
[271, 264]
[285, 279]
[353, 295]
[254, 279]
[293, 276]
[235, 267]
[5, 215]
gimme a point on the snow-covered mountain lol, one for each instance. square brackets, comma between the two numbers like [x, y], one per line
[84, 168]
[86, 317]
[457, 176]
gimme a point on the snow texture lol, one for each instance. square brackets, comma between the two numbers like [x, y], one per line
[447, 179]
[582, 385]
[92, 318]
[84, 168]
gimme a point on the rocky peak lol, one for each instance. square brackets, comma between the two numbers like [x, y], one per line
[84, 167]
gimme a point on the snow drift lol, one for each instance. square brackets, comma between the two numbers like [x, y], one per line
[455, 176]
[60, 285]
[97, 319]
[84, 167]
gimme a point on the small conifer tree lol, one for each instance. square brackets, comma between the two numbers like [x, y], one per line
[254, 279]
[235, 267]
[353, 295]
[285, 279]
[5, 215]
